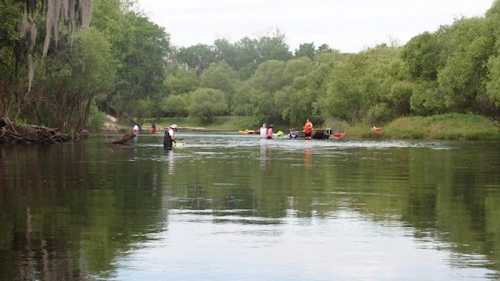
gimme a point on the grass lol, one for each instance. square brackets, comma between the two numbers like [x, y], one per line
[453, 126]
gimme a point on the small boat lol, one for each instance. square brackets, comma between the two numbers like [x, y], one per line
[338, 136]
[377, 131]
[248, 132]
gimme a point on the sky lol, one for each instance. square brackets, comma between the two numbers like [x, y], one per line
[346, 25]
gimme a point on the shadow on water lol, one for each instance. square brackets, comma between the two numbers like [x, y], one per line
[92, 211]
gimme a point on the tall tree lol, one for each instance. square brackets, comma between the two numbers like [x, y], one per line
[306, 50]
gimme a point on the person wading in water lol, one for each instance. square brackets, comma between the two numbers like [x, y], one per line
[308, 129]
[169, 137]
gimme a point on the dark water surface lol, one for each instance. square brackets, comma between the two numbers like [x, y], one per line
[236, 208]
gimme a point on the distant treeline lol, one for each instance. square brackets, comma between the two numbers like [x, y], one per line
[123, 64]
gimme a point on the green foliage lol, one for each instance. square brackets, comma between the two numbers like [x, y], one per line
[269, 76]
[181, 81]
[10, 13]
[71, 79]
[222, 77]
[493, 86]
[462, 78]
[96, 118]
[358, 82]
[423, 56]
[197, 57]
[273, 48]
[175, 105]
[427, 100]
[297, 68]
[400, 96]
[379, 114]
[139, 48]
[242, 56]
[207, 103]
[244, 102]
[93, 69]
[446, 126]
[306, 50]
[125, 64]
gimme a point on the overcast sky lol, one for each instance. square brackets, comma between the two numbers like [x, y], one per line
[347, 25]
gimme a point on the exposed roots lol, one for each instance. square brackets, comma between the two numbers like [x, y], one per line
[12, 134]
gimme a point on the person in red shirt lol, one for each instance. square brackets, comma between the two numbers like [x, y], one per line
[308, 129]
[269, 134]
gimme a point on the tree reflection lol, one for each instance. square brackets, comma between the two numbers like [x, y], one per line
[87, 205]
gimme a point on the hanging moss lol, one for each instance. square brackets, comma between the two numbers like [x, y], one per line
[73, 14]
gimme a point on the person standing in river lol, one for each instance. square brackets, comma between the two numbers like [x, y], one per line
[136, 129]
[269, 134]
[169, 137]
[308, 129]
[263, 131]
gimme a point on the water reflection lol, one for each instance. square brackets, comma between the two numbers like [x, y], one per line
[291, 210]
[171, 161]
[308, 162]
[264, 151]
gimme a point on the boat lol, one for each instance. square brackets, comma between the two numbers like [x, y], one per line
[338, 136]
[248, 132]
[377, 131]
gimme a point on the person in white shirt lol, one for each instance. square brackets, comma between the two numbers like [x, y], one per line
[169, 137]
[135, 129]
[263, 131]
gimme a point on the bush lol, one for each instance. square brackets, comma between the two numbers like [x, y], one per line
[427, 100]
[206, 103]
[379, 113]
[445, 126]
[96, 119]
[175, 105]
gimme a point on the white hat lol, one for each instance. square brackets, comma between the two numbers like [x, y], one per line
[173, 126]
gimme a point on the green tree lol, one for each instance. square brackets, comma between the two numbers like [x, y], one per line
[427, 99]
[463, 78]
[222, 77]
[423, 56]
[181, 81]
[197, 57]
[493, 85]
[175, 105]
[306, 50]
[229, 53]
[66, 86]
[205, 104]
[273, 47]
[269, 76]
[140, 48]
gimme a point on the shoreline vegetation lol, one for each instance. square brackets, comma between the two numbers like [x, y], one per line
[453, 126]
[112, 60]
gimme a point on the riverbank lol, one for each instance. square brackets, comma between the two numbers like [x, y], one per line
[222, 123]
[454, 126]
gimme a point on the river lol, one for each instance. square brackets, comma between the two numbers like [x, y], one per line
[229, 207]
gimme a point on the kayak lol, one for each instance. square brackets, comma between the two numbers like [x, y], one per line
[338, 136]
[377, 131]
[248, 132]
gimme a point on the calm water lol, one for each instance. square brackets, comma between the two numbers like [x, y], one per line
[236, 208]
